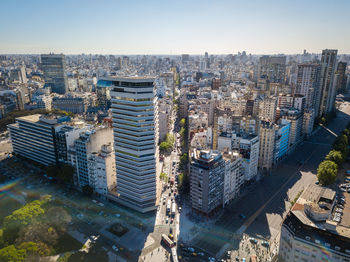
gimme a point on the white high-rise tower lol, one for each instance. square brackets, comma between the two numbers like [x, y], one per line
[135, 123]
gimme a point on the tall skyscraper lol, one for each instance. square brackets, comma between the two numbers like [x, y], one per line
[54, 69]
[308, 84]
[135, 122]
[328, 87]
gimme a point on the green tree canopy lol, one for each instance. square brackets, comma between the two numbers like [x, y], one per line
[327, 172]
[12, 254]
[341, 144]
[21, 218]
[182, 122]
[335, 156]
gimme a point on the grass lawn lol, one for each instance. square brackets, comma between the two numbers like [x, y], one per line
[8, 205]
[67, 243]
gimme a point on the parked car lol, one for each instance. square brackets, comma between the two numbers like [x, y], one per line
[114, 247]
[253, 240]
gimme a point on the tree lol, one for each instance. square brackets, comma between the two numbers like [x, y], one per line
[38, 232]
[21, 218]
[164, 147]
[88, 190]
[163, 176]
[11, 254]
[183, 161]
[335, 156]
[182, 122]
[327, 172]
[341, 144]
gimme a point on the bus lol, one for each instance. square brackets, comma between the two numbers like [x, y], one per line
[167, 241]
[168, 206]
[173, 208]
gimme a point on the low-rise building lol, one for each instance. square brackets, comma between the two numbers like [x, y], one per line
[311, 231]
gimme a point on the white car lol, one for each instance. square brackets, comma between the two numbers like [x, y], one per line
[114, 247]
[94, 238]
[167, 220]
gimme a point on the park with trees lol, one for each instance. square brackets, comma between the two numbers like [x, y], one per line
[328, 169]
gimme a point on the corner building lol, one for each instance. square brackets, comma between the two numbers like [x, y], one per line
[135, 124]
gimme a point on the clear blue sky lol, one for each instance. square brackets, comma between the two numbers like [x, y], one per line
[174, 27]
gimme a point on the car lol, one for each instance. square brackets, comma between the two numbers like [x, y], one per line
[194, 254]
[171, 230]
[242, 216]
[211, 259]
[243, 259]
[171, 220]
[167, 220]
[253, 240]
[343, 189]
[201, 254]
[171, 236]
[180, 209]
[191, 249]
[114, 247]
[93, 238]
[317, 182]
[265, 243]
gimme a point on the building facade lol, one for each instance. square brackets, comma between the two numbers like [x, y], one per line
[135, 123]
[54, 69]
[207, 180]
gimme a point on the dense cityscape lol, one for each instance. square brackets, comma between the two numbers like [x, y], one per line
[179, 157]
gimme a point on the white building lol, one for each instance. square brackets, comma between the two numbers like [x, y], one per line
[135, 123]
[102, 173]
[234, 176]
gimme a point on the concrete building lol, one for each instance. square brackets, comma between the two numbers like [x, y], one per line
[65, 136]
[33, 137]
[267, 145]
[272, 67]
[135, 123]
[296, 125]
[163, 125]
[207, 180]
[341, 77]
[310, 231]
[308, 122]
[102, 172]
[89, 142]
[308, 84]
[267, 109]
[54, 69]
[75, 105]
[248, 147]
[328, 87]
[44, 102]
[234, 176]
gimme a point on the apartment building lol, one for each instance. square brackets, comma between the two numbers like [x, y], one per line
[207, 180]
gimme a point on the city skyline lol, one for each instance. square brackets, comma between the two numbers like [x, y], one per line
[184, 27]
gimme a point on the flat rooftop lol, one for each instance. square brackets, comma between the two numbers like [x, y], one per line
[136, 79]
